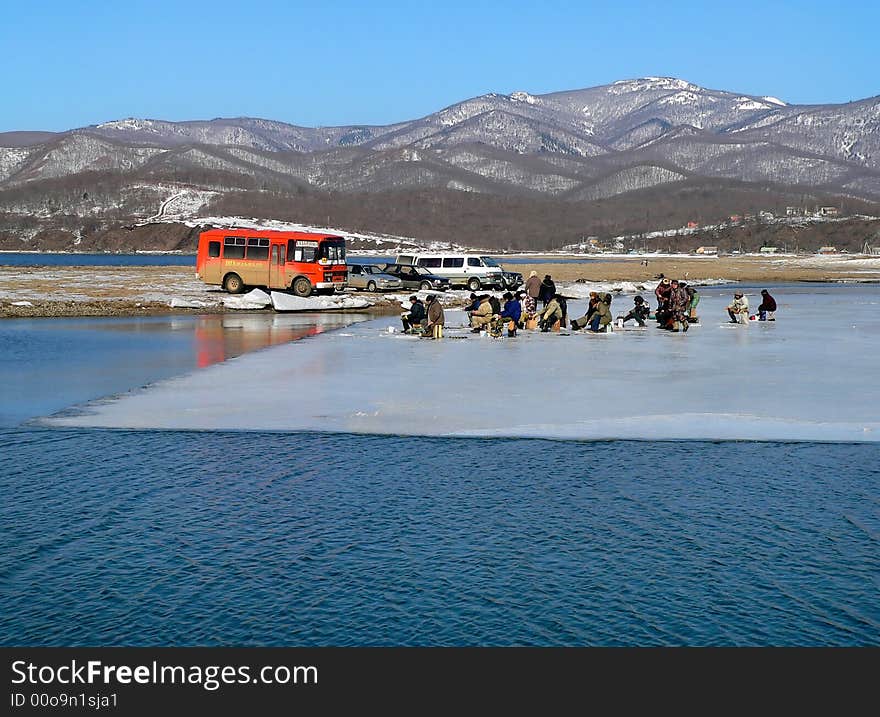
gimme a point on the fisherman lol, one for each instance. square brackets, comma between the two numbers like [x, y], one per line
[662, 293]
[678, 307]
[602, 314]
[586, 318]
[738, 310]
[533, 291]
[481, 318]
[692, 304]
[472, 306]
[548, 291]
[436, 318]
[767, 309]
[640, 311]
[550, 314]
[510, 315]
[416, 316]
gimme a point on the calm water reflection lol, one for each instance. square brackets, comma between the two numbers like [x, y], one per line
[49, 364]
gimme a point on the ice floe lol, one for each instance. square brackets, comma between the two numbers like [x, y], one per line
[807, 376]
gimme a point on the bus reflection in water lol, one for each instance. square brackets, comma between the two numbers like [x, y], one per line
[217, 340]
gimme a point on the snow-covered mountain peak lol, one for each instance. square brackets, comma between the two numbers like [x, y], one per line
[131, 124]
[521, 96]
[644, 84]
[775, 101]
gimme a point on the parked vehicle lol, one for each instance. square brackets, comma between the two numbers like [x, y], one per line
[512, 280]
[416, 277]
[303, 262]
[474, 271]
[372, 278]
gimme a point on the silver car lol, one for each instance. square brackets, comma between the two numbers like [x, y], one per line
[371, 278]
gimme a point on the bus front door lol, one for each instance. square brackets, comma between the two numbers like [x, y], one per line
[276, 267]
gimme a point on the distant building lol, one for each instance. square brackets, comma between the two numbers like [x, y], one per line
[828, 211]
[766, 215]
[707, 250]
[692, 225]
[769, 249]
[735, 218]
[794, 211]
[827, 250]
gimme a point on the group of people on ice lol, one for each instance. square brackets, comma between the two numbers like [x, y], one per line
[676, 310]
[738, 310]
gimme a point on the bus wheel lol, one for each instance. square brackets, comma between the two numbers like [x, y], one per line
[302, 287]
[371, 286]
[233, 284]
[474, 284]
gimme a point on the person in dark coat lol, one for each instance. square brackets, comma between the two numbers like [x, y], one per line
[548, 290]
[416, 317]
[767, 309]
[640, 311]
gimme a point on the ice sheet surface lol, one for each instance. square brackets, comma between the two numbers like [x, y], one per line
[811, 375]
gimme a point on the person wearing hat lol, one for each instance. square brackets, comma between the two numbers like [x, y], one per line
[510, 315]
[436, 318]
[416, 316]
[767, 309]
[738, 309]
[678, 306]
[533, 291]
[547, 291]
[640, 311]
[482, 316]
[662, 293]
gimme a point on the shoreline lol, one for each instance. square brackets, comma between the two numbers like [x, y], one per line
[91, 291]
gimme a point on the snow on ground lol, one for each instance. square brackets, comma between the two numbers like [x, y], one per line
[289, 302]
[807, 376]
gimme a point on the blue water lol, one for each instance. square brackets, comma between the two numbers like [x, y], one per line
[217, 538]
[49, 259]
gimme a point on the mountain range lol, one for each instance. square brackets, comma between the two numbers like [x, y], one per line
[624, 156]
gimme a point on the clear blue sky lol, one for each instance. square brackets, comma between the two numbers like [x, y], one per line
[68, 64]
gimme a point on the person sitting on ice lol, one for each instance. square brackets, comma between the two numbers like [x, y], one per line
[436, 318]
[472, 306]
[640, 311]
[481, 317]
[767, 309]
[415, 317]
[509, 315]
[738, 309]
[588, 317]
[602, 314]
[550, 314]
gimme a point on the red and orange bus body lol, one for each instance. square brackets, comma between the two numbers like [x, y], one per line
[303, 262]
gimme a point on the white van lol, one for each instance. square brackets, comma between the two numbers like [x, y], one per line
[474, 271]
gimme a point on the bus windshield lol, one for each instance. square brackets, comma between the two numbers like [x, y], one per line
[332, 250]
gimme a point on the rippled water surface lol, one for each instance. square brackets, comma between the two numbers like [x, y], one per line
[166, 538]
[124, 537]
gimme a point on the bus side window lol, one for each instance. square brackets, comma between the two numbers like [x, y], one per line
[213, 248]
[233, 247]
[257, 248]
[291, 250]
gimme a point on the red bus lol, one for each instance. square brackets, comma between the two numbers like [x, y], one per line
[303, 262]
